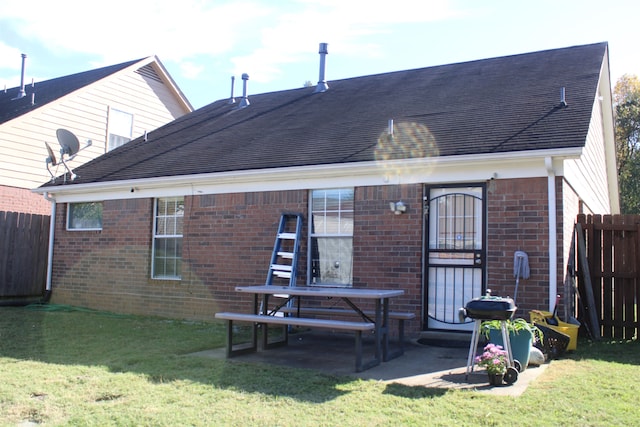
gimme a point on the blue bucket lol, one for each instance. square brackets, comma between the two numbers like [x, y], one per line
[520, 344]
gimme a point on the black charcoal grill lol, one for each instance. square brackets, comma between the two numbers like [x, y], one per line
[491, 308]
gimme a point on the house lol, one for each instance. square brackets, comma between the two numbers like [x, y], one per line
[108, 106]
[427, 180]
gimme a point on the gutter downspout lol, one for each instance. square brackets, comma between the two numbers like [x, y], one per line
[52, 229]
[553, 239]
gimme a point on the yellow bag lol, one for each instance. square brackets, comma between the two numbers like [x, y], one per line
[543, 317]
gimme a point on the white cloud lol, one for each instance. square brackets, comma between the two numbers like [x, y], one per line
[345, 25]
[259, 37]
[384, 12]
[191, 70]
[10, 57]
[122, 29]
[10, 66]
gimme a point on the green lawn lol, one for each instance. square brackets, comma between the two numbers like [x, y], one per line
[74, 367]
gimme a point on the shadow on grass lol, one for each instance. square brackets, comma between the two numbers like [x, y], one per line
[156, 348]
[414, 392]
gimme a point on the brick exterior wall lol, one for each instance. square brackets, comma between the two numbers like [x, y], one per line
[517, 217]
[109, 269]
[388, 247]
[13, 199]
[228, 241]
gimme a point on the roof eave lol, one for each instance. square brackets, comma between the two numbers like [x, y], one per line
[604, 89]
[406, 171]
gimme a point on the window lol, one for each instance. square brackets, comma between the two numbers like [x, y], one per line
[331, 237]
[84, 216]
[120, 128]
[167, 238]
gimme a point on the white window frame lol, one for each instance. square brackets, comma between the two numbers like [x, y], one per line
[167, 225]
[75, 224]
[332, 221]
[120, 125]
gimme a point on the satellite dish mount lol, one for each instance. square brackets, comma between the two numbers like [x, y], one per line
[69, 148]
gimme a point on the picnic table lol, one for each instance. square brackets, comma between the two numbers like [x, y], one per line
[280, 311]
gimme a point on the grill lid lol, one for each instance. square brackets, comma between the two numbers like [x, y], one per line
[490, 308]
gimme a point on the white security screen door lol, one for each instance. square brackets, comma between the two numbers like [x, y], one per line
[455, 254]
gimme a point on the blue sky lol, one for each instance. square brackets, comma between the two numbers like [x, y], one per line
[202, 43]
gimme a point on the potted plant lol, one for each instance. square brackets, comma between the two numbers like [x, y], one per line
[521, 334]
[494, 360]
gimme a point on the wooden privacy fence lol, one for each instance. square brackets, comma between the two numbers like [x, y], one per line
[24, 241]
[612, 245]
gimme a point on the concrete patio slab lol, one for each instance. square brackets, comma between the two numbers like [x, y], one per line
[422, 365]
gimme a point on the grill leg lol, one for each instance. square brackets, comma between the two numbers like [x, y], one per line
[475, 337]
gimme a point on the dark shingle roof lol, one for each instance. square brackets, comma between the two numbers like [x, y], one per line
[50, 90]
[488, 106]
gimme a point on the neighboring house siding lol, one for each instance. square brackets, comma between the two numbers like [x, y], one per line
[84, 113]
[587, 175]
[150, 101]
[228, 239]
[571, 207]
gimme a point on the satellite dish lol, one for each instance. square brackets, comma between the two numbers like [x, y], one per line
[51, 160]
[68, 141]
[69, 146]
[52, 157]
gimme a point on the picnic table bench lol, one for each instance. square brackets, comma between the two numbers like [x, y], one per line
[263, 320]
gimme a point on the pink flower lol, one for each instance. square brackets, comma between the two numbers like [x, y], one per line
[494, 359]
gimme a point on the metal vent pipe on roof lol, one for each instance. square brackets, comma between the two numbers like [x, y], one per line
[245, 99]
[232, 100]
[322, 85]
[563, 97]
[22, 93]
